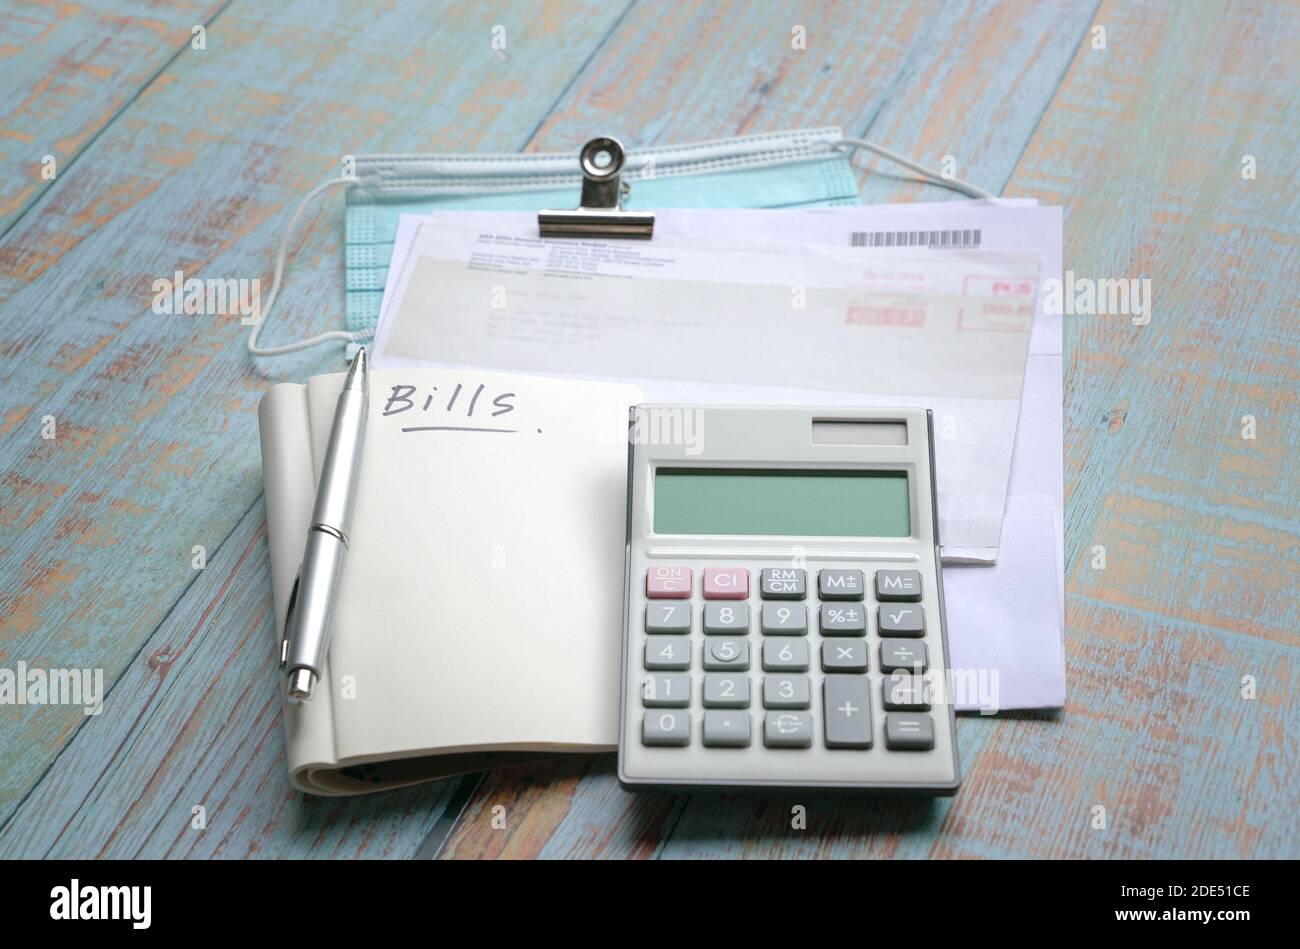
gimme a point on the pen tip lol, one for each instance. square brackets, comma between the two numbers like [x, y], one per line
[301, 683]
[356, 378]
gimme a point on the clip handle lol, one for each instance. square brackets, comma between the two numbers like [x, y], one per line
[599, 212]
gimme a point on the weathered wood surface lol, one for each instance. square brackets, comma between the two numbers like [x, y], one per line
[69, 70]
[157, 438]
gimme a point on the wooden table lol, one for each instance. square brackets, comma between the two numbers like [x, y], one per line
[170, 157]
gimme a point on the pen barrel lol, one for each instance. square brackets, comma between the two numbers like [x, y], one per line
[342, 465]
[310, 622]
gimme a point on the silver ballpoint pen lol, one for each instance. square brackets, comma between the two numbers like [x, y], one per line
[307, 628]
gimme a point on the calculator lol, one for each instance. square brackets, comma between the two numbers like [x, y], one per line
[784, 623]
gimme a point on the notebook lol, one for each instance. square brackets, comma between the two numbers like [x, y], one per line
[479, 616]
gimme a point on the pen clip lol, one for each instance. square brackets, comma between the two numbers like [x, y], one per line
[288, 619]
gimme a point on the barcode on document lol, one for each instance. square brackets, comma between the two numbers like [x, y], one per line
[944, 240]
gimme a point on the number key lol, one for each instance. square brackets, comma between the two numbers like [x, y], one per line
[725, 691]
[786, 692]
[668, 618]
[668, 690]
[789, 655]
[667, 652]
[724, 654]
[726, 618]
[780, 619]
[666, 728]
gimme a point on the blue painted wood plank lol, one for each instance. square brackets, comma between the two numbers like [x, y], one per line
[68, 70]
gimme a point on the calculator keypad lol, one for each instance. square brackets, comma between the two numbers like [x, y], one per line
[786, 695]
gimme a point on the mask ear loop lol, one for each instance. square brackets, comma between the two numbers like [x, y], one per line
[955, 184]
[277, 278]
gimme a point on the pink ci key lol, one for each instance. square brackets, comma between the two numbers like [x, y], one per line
[726, 583]
[668, 583]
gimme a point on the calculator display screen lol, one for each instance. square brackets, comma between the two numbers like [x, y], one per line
[823, 503]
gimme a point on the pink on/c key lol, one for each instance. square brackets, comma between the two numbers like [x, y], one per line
[726, 583]
[668, 583]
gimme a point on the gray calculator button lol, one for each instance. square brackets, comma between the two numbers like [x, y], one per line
[909, 732]
[846, 711]
[668, 617]
[898, 619]
[787, 730]
[786, 692]
[900, 655]
[720, 654]
[726, 691]
[726, 618]
[898, 585]
[726, 729]
[783, 583]
[666, 728]
[841, 584]
[666, 690]
[845, 655]
[843, 619]
[784, 619]
[905, 692]
[667, 652]
[785, 655]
